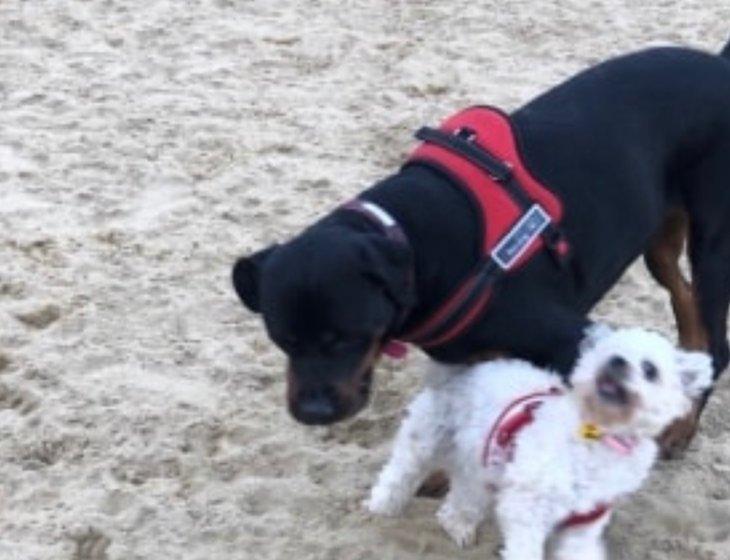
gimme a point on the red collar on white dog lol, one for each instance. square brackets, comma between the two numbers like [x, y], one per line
[623, 445]
[520, 413]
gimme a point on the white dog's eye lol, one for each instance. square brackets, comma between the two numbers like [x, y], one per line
[650, 370]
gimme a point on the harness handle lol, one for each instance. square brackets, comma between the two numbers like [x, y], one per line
[497, 169]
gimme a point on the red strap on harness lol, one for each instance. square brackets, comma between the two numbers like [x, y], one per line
[578, 519]
[431, 325]
[509, 200]
[503, 432]
[492, 131]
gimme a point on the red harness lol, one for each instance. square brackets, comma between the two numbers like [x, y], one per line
[500, 443]
[499, 446]
[477, 150]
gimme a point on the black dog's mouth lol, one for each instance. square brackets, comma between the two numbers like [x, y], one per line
[332, 403]
[359, 400]
[612, 391]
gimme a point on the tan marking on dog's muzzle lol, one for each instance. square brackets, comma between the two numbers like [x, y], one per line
[607, 414]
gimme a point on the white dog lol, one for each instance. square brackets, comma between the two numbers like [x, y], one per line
[555, 460]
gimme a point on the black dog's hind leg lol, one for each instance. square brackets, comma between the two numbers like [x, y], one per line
[708, 206]
[711, 270]
[708, 203]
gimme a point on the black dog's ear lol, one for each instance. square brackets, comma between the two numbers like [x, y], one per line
[389, 263]
[246, 275]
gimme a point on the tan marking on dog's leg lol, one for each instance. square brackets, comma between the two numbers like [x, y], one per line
[662, 260]
[677, 437]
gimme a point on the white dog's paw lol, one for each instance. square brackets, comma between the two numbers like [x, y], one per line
[596, 553]
[383, 502]
[461, 531]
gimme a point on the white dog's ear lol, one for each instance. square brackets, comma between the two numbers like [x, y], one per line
[592, 334]
[695, 371]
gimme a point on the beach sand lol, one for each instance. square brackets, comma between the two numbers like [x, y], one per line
[144, 145]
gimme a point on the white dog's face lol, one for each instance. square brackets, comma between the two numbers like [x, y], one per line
[636, 382]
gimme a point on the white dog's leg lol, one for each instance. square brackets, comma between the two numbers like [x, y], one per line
[582, 543]
[465, 506]
[522, 518]
[412, 458]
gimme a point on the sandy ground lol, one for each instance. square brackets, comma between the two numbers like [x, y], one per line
[146, 144]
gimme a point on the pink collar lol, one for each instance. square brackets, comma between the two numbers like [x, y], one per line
[395, 349]
[623, 445]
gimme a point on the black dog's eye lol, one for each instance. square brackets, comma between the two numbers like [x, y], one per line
[329, 338]
[650, 370]
[337, 342]
[332, 341]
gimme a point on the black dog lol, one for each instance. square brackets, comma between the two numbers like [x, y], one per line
[638, 151]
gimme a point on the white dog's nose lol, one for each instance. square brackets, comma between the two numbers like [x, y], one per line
[617, 368]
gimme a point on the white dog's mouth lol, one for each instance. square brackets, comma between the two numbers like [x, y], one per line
[608, 401]
[612, 391]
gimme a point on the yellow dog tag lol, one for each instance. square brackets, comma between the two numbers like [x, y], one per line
[590, 431]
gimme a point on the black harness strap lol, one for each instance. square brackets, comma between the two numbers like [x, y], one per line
[462, 308]
[461, 143]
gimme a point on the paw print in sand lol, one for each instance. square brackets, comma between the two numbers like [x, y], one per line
[40, 317]
[91, 544]
[21, 401]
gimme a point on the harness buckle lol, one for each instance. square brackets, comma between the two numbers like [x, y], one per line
[505, 177]
[557, 244]
[465, 133]
[470, 135]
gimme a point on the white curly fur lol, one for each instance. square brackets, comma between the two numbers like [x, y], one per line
[554, 472]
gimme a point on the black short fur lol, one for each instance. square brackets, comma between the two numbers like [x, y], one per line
[620, 144]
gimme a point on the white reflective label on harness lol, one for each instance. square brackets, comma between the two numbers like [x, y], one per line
[511, 247]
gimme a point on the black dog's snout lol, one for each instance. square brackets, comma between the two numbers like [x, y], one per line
[316, 407]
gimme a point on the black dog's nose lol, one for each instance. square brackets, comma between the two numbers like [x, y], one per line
[315, 407]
